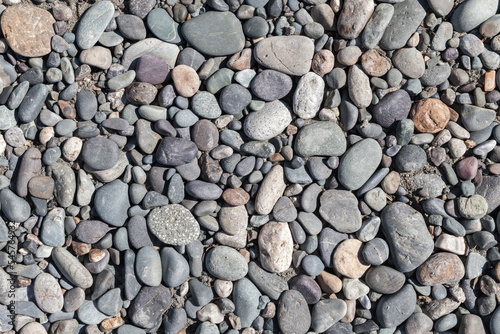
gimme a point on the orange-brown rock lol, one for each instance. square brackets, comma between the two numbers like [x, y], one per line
[348, 260]
[489, 81]
[430, 115]
[28, 30]
[108, 325]
[241, 60]
[80, 248]
[67, 109]
[374, 63]
[441, 268]
[235, 197]
[329, 283]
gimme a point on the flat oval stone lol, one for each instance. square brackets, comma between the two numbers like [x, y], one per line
[91, 231]
[307, 287]
[375, 28]
[52, 229]
[29, 166]
[475, 118]
[270, 85]
[174, 266]
[326, 313]
[28, 30]
[320, 139]
[32, 104]
[175, 151]
[407, 235]
[71, 268]
[441, 268]
[340, 209]
[246, 298]
[359, 163]
[270, 284]
[410, 62]
[268, 122]
[293, 306]
[14, 208]
[100, 153]
[148, 266]
[470, 14]
[348, 260]
[385, 280]
[226, 263]
[291, 55]
[93, 23]
[221, 39]
[276, 246]
[147, 308]
[203, 190]
[153, 47]
[359, 87]
[407, 17]
[111, 203]
[163, 26]
[393, 310]
[353, 17]
[48, 293]
[393, 107]
[308, 95]
[173, 224]
[270, 190]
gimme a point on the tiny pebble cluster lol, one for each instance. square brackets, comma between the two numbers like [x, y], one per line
[253, 166]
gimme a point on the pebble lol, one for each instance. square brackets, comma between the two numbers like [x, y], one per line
[340, 209]
[410, 250]
[326, 313]
[186, 80]
[430, 115]
[355, 168]
[173, 224]
[148, 266]
[214, 41]
[390, 309]
[347, 259]
[246, 301]
[268, 122]
[292, 305]
[392, 108]
[359, 87]
[276, 246]
[271, 85]
[331, 142]
[410, 62]
[162, 25]
[404, 22]
[471, 14]
[441, 268]
[28, 30]
[375, 28]
[226, 263]
[281, 54]
[308, 96]
[93, 23]
[115, 192]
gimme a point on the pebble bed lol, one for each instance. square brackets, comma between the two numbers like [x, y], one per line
[253, 166]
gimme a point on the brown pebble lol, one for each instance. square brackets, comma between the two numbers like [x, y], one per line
[489, 81]
[494, 169]
[108, 325]
[375, 64]
[441, 268]
[351, 311]
[329, 283]
[236, 197]
[96, 255]
[269, 311]
[41, 187]
[67, 109]
[28, 30]
[324, 15]
[348, 260]
[186, 80]
[241, 60]
[276, 157]
[430, 115]
[391, 182]
[323, 62]
[80, 248]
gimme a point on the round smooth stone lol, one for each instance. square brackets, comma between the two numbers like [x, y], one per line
[348, 260]
[226, 263]
[376, 251]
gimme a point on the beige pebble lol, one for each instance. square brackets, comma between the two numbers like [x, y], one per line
[223, 288]
[72, 148]
[186, 80]
[347, 259]
[329, 283]
[451, 243]
[275, 246]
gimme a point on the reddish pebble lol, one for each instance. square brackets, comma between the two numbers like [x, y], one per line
[489, 81]
[375, 64]
[236, 196]
[467, 168]
[323, 62]
[152, 69]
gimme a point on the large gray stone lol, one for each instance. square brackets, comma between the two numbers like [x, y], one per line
[359, 163]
